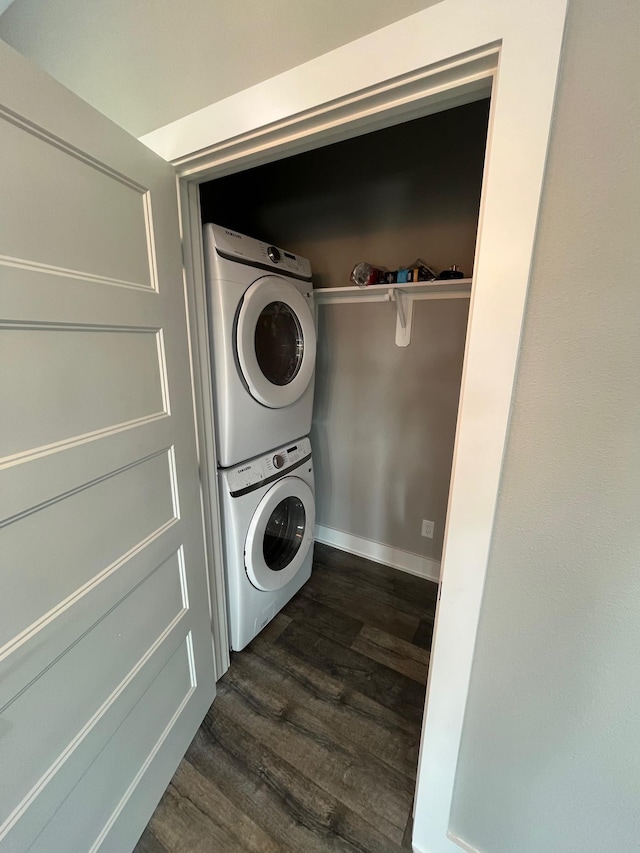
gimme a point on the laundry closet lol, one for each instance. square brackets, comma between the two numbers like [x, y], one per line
[384, 415]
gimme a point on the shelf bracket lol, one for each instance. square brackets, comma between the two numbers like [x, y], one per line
[404, 315]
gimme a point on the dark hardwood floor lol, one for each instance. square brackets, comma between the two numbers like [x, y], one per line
[312, 742]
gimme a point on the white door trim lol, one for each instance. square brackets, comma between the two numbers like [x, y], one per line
[283, 116]
[202, 381]
[445, 55]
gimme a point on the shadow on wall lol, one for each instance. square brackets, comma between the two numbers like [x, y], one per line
[388, 197]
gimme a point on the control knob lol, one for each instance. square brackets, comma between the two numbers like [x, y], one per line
[274, 254]
[278, 461]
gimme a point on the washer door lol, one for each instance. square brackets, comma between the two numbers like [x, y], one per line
[276, 342]
[280, 534]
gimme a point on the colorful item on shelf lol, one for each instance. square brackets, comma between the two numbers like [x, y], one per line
[417, 271]
[364, 274]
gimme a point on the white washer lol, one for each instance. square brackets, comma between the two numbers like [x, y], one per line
[263, 343]
[268, 515]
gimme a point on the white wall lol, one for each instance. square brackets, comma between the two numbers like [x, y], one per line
[550, 758]
[145, 63]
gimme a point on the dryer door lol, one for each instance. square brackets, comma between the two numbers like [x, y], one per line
[276, 342]
[280, 534]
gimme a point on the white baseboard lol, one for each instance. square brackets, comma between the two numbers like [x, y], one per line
[462, 843]
[405, 561]
[467, 847]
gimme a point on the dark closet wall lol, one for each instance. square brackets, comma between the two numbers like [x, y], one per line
[388, 197]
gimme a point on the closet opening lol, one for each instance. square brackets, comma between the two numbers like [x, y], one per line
[449, 56]
[384, 416]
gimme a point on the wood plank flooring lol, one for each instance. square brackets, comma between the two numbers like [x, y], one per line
[312, 742]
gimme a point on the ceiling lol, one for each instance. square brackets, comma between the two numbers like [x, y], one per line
[145, 63]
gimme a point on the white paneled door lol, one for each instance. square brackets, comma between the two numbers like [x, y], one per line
[106, 660]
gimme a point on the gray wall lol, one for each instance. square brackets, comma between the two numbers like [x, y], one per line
[550, 759]
[145, 63]
[384, 419]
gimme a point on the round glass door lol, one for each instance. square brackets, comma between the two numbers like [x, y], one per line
[279, 343]
[276, 342]
[280, 534]
[284, 533]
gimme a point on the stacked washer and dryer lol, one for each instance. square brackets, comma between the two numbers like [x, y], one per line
[263, 348]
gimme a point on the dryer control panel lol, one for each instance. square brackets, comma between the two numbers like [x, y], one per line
[235, 246]
[264, 469]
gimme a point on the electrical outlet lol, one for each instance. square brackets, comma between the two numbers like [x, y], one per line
[427, 528]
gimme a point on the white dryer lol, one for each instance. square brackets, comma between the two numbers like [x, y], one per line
[268, 515]
[263, 343]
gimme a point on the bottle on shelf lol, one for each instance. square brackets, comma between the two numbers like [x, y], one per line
[365, 274]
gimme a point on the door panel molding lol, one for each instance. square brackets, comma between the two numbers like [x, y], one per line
[56, 142]
[100, 507]
[50, 269]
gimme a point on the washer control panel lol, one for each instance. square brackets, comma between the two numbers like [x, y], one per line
[232, 244]
[268, 467]
[283, 261]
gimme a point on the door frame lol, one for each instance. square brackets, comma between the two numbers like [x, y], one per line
[449, 54]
